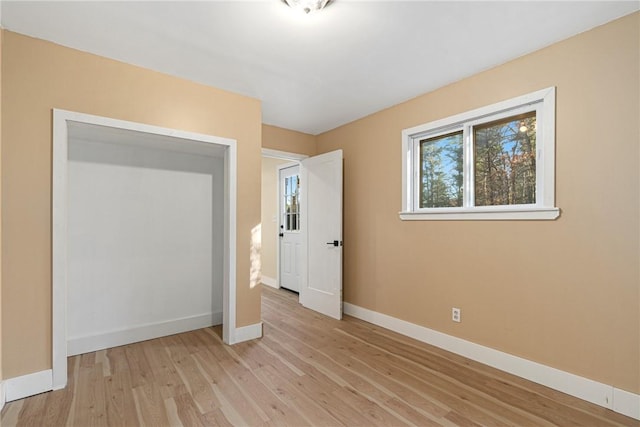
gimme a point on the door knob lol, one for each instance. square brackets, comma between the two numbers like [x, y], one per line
[335, 243]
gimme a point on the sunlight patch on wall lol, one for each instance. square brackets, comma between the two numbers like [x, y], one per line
[255, 271]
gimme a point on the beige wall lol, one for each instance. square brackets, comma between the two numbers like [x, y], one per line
[269, 209]
[564, 293]
[287, 140]
[38, 76]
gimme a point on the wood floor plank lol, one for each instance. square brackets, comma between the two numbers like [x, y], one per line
[188, 412]
[101, 357]
[198, 386]
[336, 407]
[90, 402]
[119, 395]
[463, 405]
[440, 386]
[254, 389]
[460, 420]
[32, 411]
[307, 370]
[117, 360]
[439, 368]
[223, 384]
[150, 407]
[172, 412]
[57, 407]
[411, 413]
[368, 389]
[216, 418]
[11, 413]
[312, 412]
[165, 374]
[138, 365]
[375, 414]
[401, 398]
[87, 360]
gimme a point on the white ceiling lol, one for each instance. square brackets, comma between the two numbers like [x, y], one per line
[312, 73]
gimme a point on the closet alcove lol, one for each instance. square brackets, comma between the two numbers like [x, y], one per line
[143, 234]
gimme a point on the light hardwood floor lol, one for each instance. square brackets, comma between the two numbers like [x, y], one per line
[306, 370]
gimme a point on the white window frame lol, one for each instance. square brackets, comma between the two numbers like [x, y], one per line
[543, 103]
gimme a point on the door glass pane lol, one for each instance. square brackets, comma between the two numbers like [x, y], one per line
[505, 161]
[291, 203]
[441, 163]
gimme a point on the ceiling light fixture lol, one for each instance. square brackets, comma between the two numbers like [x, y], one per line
[307, 6]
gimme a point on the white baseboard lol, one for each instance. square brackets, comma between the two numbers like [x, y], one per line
[2, 398]
[247, 333]
[269, 281]
[626, 403]
[28, 385]
[80, 345]
[601, 394]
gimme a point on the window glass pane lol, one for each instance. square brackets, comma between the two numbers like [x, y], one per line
[441, 163]
[287, 189]
[505, 161]
[291, 203]
[295, 204]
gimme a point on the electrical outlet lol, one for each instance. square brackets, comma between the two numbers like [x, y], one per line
[456, 314]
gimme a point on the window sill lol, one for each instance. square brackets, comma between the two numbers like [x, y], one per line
[482, 214]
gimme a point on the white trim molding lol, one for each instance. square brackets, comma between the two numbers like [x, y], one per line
[269, 281]
[284, 155]
[488, 213]
[541, 103]
[626, 403]
[2, 396]
[28, 385]
[592, 391]
[81, 345]
[247, 333]
[295, 159]
[61, 121]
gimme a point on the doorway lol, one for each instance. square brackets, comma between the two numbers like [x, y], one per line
[308, 213]
[66, 125]
[272, 162]
[290, 247]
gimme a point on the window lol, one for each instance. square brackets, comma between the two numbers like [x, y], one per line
[495, 162]
[291, 203]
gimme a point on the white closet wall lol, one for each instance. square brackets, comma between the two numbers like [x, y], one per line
[145, 243]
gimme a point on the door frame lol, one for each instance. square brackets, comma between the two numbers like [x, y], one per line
[295, 159]
[59, 226]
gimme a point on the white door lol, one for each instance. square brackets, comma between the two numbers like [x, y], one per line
[289, 231]
[321, 203]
